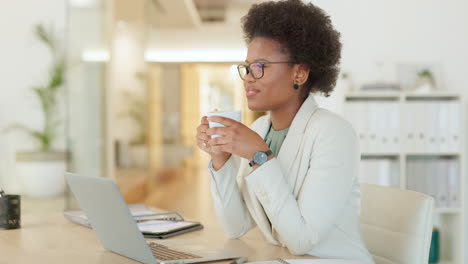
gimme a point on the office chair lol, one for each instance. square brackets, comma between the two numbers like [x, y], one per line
[396, 224]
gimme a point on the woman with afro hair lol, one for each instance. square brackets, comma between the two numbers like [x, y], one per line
[294, 172]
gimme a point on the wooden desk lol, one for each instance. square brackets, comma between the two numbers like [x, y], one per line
[52, 239]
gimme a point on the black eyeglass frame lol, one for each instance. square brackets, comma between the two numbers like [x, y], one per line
[249, 71]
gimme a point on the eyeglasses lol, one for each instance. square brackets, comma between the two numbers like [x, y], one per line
[256, 69]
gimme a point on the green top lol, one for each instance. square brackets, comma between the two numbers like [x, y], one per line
[274, 139]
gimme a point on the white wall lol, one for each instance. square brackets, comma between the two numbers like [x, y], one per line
[23, 63]
[417, 31]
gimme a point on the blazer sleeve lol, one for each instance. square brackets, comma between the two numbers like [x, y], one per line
[230, 207]
[326, 188]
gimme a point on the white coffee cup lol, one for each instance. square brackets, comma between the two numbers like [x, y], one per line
[234, 115]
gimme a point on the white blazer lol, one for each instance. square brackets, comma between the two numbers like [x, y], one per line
[310, 193]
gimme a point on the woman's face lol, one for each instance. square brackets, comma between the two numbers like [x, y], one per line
[275, 89]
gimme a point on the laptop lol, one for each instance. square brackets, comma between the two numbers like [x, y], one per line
[101, 201]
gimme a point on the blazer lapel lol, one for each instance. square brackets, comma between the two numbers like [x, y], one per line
[292, 143]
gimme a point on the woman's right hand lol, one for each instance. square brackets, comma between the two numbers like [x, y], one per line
[217, 157]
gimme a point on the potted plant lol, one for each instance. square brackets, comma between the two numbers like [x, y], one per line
[425, 81]
[41, 171]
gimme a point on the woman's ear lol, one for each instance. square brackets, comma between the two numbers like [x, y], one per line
[302, 74]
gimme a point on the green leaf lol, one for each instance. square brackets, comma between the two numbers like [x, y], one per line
[43, 35]
[44, 98]
[56, 75]
[425, 73]
[43, 139]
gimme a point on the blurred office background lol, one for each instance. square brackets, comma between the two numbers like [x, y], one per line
[141, 73]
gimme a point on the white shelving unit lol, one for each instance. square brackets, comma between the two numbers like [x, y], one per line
[449, 220]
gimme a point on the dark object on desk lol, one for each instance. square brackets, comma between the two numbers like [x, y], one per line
[10, 212]
[434, 255]
[151, 229]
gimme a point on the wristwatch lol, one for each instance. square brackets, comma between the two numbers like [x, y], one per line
[260, 157]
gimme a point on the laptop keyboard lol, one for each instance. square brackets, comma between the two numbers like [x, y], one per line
[162, 252]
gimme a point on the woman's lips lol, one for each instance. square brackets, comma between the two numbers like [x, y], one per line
[251, 92]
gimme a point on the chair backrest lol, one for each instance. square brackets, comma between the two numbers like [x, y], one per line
[396, 224]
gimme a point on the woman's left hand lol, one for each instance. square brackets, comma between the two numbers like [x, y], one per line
[236, 138]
